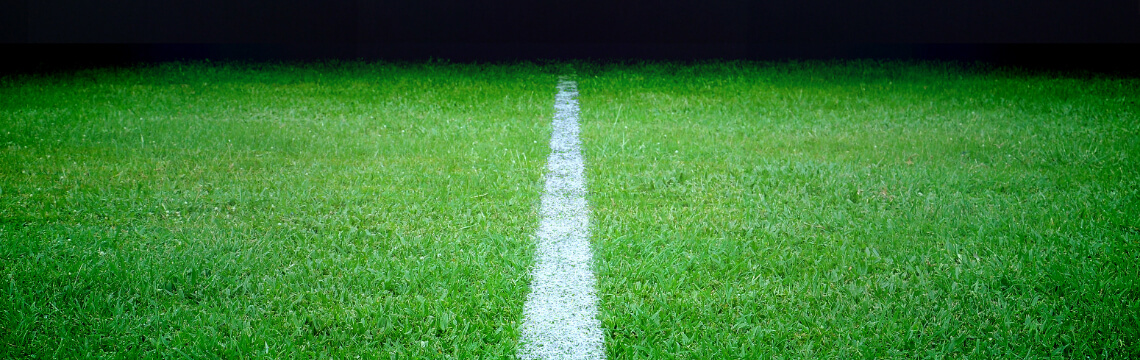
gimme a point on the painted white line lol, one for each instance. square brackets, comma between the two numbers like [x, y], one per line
[561, 313]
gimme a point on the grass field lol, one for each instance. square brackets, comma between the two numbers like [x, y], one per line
[269, 211]
[740, 210]
[864, 210]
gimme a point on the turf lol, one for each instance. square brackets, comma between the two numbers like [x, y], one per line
[228, 210]
[863, 210]
[854, 209]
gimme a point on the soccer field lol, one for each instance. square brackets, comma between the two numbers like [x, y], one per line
[737, 210]
[863, 210]
[270, 211]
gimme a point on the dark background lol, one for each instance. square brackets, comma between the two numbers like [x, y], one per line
[1070, 34]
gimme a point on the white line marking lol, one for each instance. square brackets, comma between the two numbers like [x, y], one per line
[561, 319]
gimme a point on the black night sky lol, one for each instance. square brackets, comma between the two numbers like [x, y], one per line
[1093, 33]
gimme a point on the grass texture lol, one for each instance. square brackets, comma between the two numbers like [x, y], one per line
[863, 210]
[793, 210]
[335, 210]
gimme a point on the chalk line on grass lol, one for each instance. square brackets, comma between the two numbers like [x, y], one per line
[561, 311]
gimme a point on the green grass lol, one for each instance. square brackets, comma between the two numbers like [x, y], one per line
[863, 210]
[332, 210]
[740, 210]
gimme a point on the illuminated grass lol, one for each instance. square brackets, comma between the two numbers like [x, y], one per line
[229, 210]
[863, 210]
[739, 210]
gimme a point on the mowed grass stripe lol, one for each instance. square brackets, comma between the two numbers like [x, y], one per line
[227, 210]
[561, 311]
[863, 210]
